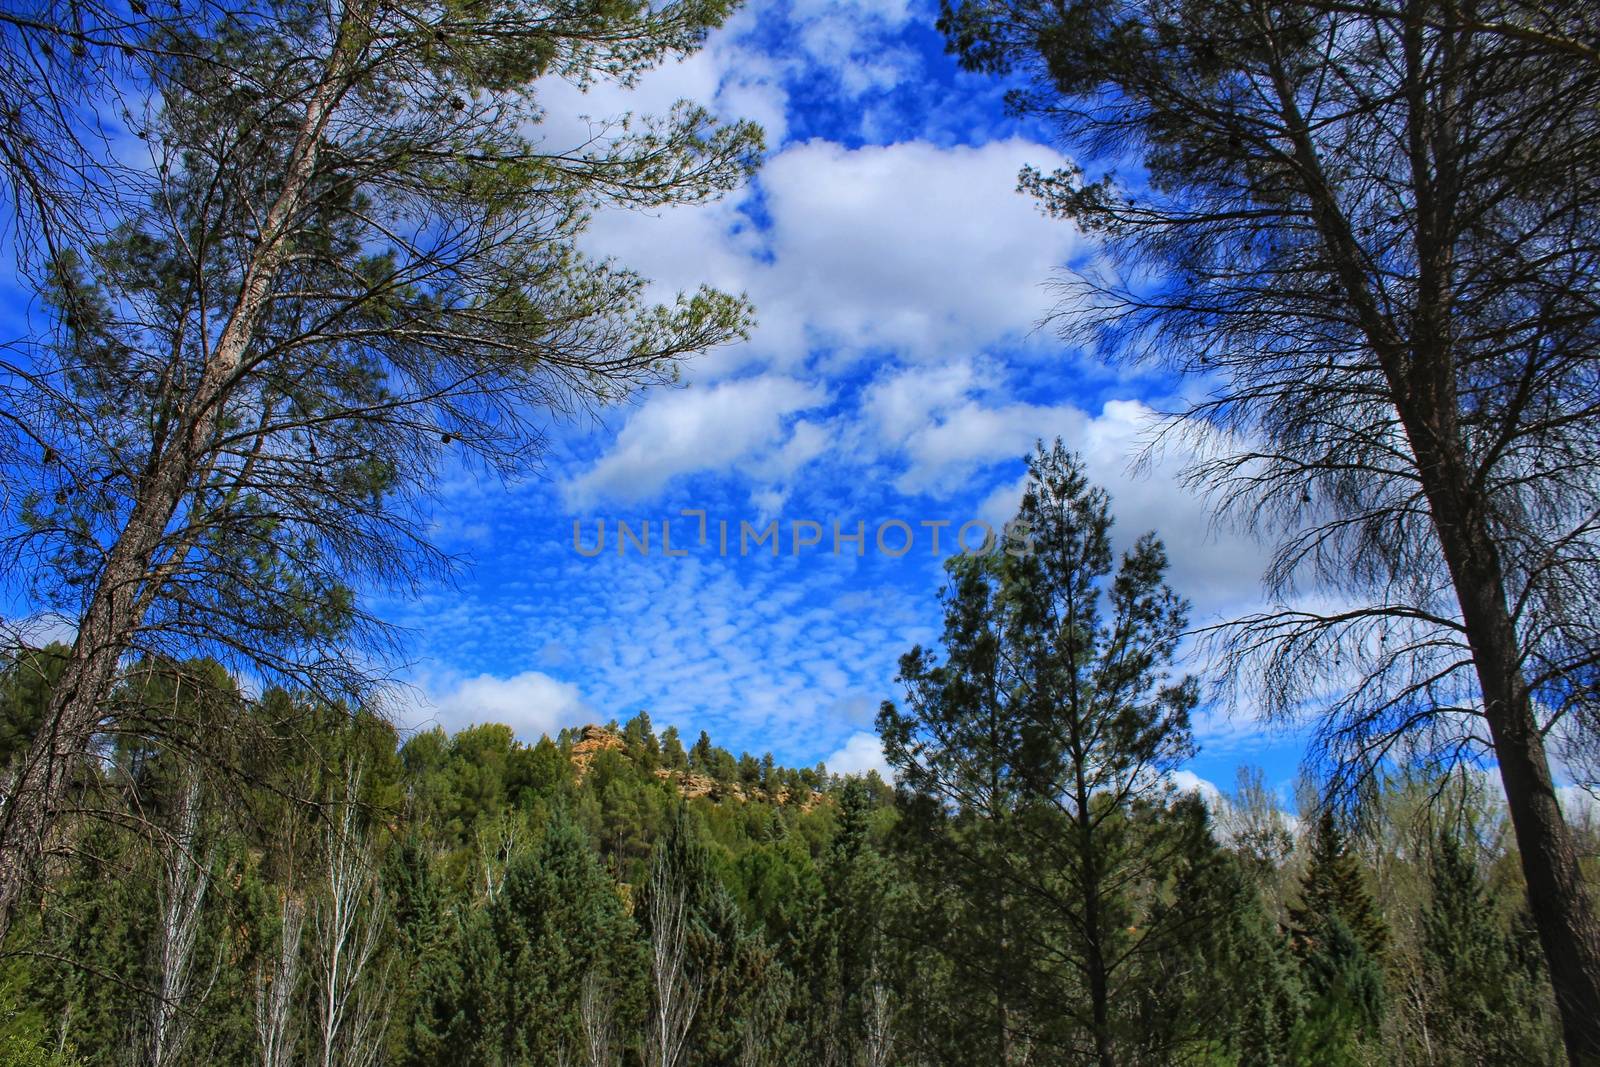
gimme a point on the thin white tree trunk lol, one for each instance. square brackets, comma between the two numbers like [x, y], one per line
[275, 993]
[349, 925]
[879, 1019]
[185, 877]
[676, 991]
[599, 1022]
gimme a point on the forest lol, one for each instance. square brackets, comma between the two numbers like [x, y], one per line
[322, 320]
[613, 896]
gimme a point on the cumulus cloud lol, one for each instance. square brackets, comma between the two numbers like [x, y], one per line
[900, 403]
[944, 453]
[1189, 782]
[1218, 569]
[913, 248]
[860, 753]
[531, 703]
[749, 68]
[703, 428]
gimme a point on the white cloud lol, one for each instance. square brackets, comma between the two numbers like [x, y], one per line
[1217, 569]
[921, 250]
[702, 428]
[1190, 782]
[807, 440]
[946, 452]
[38, 630]
[902, 403]
[531, 703]
[861, 752]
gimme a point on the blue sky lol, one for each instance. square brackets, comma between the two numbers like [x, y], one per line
[898, 372]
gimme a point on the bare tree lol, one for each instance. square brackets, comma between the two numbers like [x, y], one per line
[186, 874]
[497, 843]
[1251, 821]
[343, 258]
[598, 1014]
[878, 1015]
[275, 991]
[1368, 233]
[675, 989]
[348, 924]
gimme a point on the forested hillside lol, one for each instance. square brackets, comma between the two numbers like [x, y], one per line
[611, 895]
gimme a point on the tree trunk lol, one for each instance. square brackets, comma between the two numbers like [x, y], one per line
[1420, 376]
[121, 595]
[1562, 909]
[1095, 963]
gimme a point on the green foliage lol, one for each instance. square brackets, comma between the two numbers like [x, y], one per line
[860, 926]
[1344, 989]
[1486, 1000]
[26, 678]
[557, 919]
[1339, 938]
[1031, 767]
[26, 1034]
[1334, 889]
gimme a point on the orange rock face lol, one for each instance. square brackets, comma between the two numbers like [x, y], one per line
[591, 740]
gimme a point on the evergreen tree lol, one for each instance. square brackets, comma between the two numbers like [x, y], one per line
[425, 1012]
[1032, 766]
[672, 753]
[1366, 230]
[1334, 887]
[733, 969]
[1344, 991]
[1339, 937]
[702, 758]
[558, 919]
[1481, 1008]
[639, 737]
[26, 679]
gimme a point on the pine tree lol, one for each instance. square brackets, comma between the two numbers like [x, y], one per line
[732, 968]
[1225, 981]
[1339, 937]
[1334, 887]
[425, 929]
[640, 738]
[26, 679]
[1344, 990]
[1032, 768]
[672, 753]
[558, 919]
[1480, 1007]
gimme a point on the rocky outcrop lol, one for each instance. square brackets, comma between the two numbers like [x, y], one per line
[592, 740]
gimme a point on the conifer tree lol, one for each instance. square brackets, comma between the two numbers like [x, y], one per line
[558, 920]
[1032, 770]
[1481, 1008]
[730, 967]
[1367, 231]
[1334, 887]
[345, 255]
[672, 753]
[1339, 937]
[424, 929]
[1344, 998]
